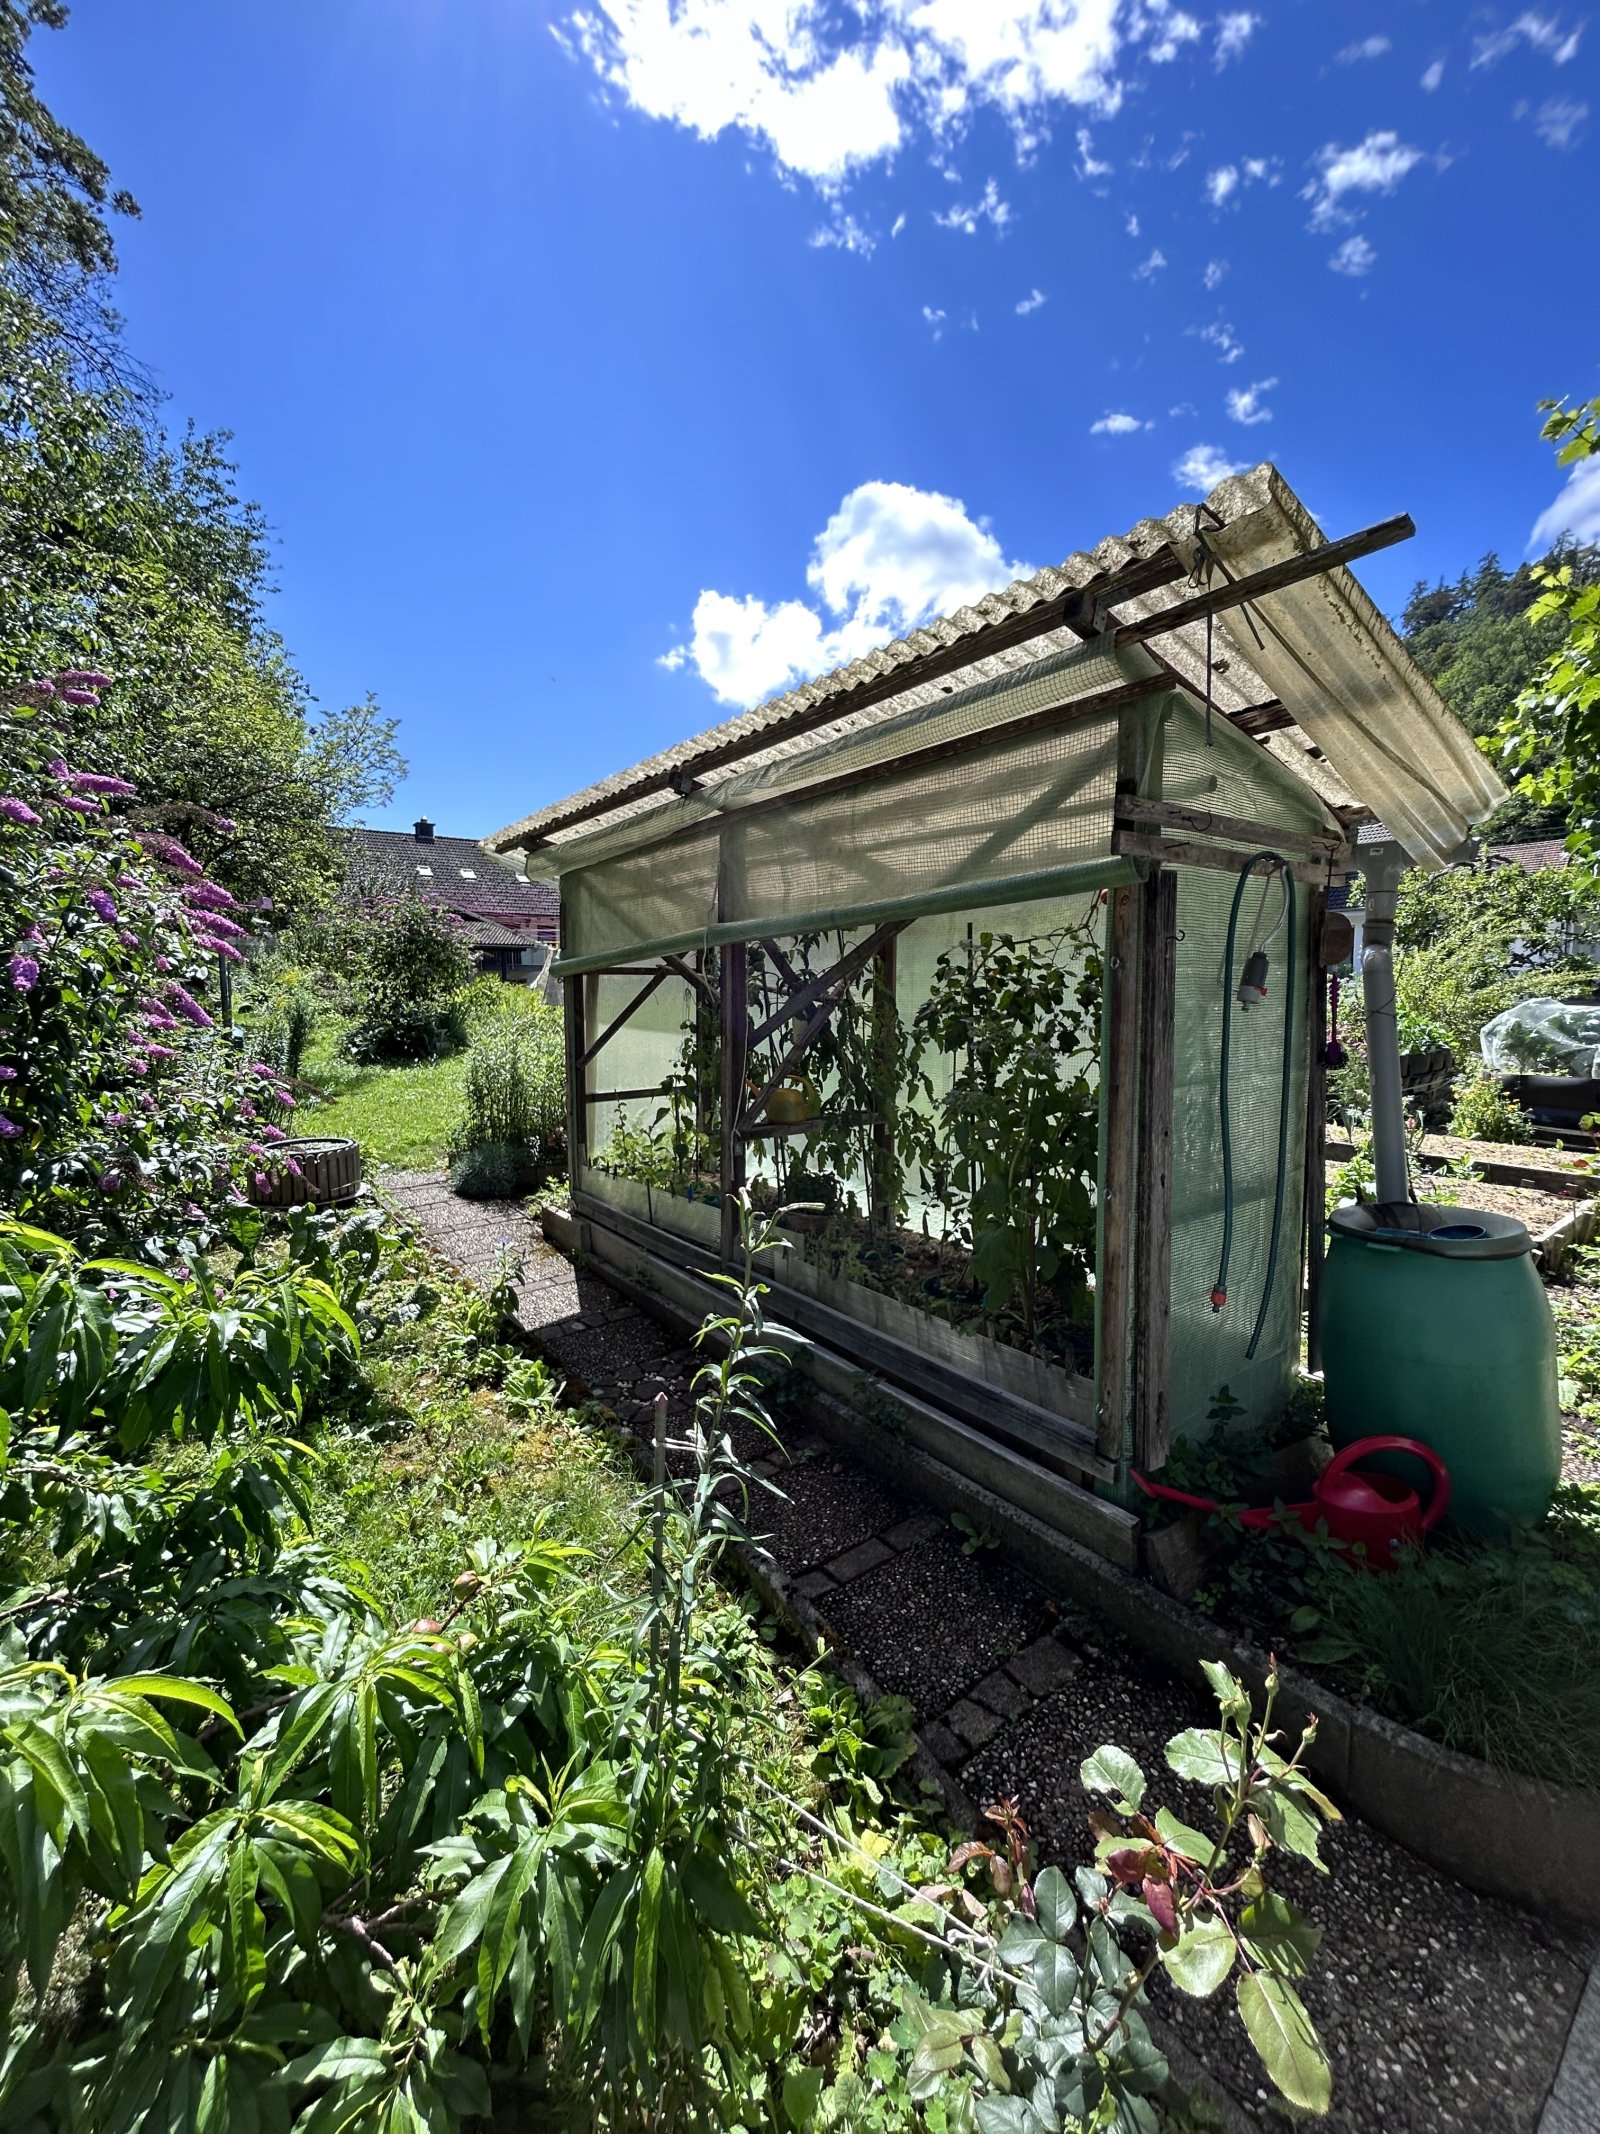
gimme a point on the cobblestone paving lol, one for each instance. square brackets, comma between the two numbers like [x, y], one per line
[1445, 2012]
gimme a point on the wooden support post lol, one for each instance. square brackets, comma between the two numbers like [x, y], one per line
[1119, 1115]
[572, 991]
[735, 1011]
[883, 1186]
[1315, 1213]
[1152, 1293]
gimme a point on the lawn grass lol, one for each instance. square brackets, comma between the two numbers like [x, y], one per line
[402, 1116]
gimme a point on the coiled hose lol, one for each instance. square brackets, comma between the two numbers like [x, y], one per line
[1219, 1294]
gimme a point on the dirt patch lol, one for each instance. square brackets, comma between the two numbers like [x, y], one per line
[1539, 1209]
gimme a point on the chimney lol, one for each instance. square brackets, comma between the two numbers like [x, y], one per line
[422, 830]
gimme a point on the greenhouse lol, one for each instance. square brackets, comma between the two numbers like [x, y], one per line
[995, 961]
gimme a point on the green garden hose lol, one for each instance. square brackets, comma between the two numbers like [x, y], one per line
[1219, 1294]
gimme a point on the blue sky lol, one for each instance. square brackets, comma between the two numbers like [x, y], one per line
[601, 367]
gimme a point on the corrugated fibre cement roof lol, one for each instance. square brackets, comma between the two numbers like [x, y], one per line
[1365, 727]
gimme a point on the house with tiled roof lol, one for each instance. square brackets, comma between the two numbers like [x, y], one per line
[509, 922]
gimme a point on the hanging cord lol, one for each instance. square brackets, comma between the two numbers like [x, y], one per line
[1219, 1293]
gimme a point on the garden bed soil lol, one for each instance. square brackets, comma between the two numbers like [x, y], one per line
[1541, 1155]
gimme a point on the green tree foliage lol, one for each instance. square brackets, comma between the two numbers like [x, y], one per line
[1550, 738]
[125, 550]
[1482, 641]
[411, 970]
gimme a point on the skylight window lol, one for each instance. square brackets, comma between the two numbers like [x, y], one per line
[424, 870]
[469, 874]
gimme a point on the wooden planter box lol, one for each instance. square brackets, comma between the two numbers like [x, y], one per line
[330, 1174]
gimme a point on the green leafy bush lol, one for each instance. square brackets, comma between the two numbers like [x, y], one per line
[411, 974]
[514, 1108]
[1484, 1111]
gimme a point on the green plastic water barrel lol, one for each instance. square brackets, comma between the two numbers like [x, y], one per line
[1435, 1325]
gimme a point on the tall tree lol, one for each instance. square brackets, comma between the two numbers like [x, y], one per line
[1550, 738]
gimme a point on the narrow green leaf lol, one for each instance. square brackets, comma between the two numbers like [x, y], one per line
[644, 1949]
[175, 1689]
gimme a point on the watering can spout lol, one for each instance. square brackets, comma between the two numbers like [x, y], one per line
[1369, 1510]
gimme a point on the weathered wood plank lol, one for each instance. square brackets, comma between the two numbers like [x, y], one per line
[1315, 1212]
[1179, 852]
[1165, 814]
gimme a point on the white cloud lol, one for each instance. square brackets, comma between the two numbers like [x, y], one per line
[935, 319]
[1225, 183]
[899, 224]
[1184, 407]
[1433, 75]
[1375, 165]
[989, 208]
[1151, 267]
[1222, 338]
[1244, 402]
[828, 92]
[1364, 48]
[1203, 466]
[1557, 121]
[1541, 33]
[1116, 424]
[1089, 165]
[891, 558]
[1132, 225]
[1031, 302]
[1170, 30]
[1234, 32]
[847, 234]
[1215, 270]
[1576, 510]
[1354, 257]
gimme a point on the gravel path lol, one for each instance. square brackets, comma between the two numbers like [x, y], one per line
[1445, 2012]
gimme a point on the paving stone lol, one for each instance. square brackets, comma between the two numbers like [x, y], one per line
[942, 1745]
[1044, 1666]
[816, 1585]
[930, 1621]
[1002, 1694]
[856, 1562]
[921, 1526]
[972, 1722]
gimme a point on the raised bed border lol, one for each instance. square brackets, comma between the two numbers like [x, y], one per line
[1520, 1839]
[1550, 1247]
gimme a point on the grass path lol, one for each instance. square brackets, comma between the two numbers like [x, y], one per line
[402, 1116]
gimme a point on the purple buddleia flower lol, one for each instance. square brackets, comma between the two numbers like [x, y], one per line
[102, 904]
[284, 1099]
[84, 678]
[216, 924]
[24, 973]
[163, 963]
[258, 1067]
[246, 1109]
[159, 1052]
[96, 782]
[272, 1133]
[79, 696]
[226, 824]
[17, 811]
[188, 1007]
[171, 853]
[262, 1182]
[57, 768]
[218, 947]
[81, 807]
[293, 1168]
[118, 1119]
[111, 1181]
[8, 1074]
[41, 689]
[210, 896]
[129, 940]
[9, 1128]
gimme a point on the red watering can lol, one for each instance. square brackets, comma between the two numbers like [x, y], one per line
[1377, 1510]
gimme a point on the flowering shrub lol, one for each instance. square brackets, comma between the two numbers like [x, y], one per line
[125, 1114]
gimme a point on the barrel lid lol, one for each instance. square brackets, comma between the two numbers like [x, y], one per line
[1450, 1233]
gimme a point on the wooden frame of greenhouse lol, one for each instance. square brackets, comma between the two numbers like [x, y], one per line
[944, 956]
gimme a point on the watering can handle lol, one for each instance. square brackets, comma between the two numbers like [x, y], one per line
[1364, 1447]
[1173, 1496]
